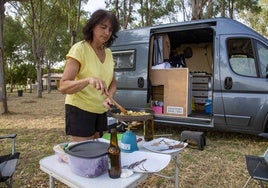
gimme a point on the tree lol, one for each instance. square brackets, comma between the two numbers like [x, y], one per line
[3, 95]
[21, 73]
[74, 14]
[152, 11]
[48, 43]
[140, 13]
[224, 8]
[123, 10]
[40, 18]
[197, 8]
[14, 44]
[182, 7]
[259, 20]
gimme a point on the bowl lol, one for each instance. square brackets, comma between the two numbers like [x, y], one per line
[88, 159]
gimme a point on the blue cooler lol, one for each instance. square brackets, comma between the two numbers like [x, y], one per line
[208, 106]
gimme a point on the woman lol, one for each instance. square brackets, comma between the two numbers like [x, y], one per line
[88, 78]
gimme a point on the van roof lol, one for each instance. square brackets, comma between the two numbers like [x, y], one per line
[133, 36]
[221, 25]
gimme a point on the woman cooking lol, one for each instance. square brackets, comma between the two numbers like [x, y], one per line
[88, 78]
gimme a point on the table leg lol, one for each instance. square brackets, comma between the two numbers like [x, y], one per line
[175, 176]
[177, 172]
[51, 182]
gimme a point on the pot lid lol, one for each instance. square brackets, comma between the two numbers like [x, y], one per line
[88, 149]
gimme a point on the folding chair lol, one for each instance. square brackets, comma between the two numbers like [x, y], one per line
[257, 168]
[8, 162]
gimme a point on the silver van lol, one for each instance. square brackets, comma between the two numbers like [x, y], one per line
[205, 74]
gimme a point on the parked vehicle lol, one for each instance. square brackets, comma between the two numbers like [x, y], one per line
[205, 73]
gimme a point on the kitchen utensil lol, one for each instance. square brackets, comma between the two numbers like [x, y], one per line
[155, 162]
[134, 164]
[121, 108]
[115, 113]
[164, 148]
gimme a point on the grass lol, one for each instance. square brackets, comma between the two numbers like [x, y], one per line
[39, 124]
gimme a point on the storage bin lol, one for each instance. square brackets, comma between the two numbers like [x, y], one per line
[157, 109]
[208, 106]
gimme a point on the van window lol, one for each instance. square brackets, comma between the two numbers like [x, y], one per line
[124, 60]
[262, 52]
[241, 57]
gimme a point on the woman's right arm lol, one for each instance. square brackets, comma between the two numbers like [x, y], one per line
[68, 84]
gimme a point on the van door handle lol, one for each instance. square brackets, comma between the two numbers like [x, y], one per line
[228, 83]
[140, 82]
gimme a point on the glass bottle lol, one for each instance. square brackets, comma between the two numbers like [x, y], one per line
[114, 157]
[148, 130]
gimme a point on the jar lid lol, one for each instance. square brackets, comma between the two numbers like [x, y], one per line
[88, 149]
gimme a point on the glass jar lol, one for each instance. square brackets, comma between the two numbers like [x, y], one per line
[148, 130]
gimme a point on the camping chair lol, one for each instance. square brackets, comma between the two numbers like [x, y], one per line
[257, 168]
[8, 162]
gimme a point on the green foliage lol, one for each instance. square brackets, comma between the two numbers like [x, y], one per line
[140, 13]
[14, 36]
[19, 74]
[15, 42]
[257, 20]
[224, 8]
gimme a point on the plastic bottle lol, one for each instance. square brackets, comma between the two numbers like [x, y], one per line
[114, 156]
[148, 130]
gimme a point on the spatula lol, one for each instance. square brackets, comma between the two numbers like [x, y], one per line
[121, 108]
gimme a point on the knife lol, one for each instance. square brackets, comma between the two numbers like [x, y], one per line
[164, 148]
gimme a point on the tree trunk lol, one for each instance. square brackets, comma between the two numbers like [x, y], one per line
[30, 84]
[3, 94]
[39, 81]
[49, 81]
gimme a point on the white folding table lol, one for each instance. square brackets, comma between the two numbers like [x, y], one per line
[62, 172]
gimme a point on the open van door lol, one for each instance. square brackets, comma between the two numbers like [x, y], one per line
[131, 71]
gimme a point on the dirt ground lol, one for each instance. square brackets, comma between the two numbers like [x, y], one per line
[39, 125]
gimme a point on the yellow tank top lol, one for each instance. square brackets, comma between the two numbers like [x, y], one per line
[90, 99]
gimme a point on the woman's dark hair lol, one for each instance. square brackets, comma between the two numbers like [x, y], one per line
[98, 17]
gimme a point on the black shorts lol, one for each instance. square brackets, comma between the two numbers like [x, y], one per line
[82, 123]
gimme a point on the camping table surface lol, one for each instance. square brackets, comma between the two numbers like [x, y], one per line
[62, 172]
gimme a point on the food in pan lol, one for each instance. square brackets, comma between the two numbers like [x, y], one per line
[135, 113]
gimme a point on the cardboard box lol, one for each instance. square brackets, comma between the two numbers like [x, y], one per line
[176, 85]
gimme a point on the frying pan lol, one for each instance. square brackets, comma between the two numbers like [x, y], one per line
[115, 113]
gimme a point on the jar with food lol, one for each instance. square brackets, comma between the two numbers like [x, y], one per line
[148, 130]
